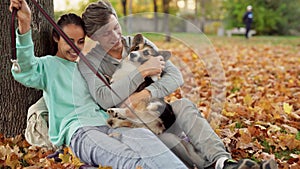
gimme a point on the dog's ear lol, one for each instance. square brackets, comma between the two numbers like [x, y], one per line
[165, 54]
[137, 42]
[138, 38]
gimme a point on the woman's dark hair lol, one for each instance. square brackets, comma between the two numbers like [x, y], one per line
[97, 15]
[64, 20]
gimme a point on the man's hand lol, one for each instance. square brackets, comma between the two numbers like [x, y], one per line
[153, 66]
[23, 14]
[134, 99]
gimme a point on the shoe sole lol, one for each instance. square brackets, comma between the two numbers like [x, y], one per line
[247, 164]
[269, 164]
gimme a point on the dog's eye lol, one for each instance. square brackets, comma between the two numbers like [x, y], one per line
[146, 52]
[136, 48]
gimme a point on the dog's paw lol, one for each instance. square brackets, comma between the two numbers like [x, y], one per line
[117, 112]
[158, 128]
[158, 131]
[118, 122]
[116, 135]
[112, 122]
[154, 105]
[112, 112]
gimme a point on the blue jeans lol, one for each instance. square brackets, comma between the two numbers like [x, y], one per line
[127, 148]
[204, 148]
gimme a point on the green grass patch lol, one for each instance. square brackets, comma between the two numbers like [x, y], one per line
[285, 154]
[199, 38]
[298, 136]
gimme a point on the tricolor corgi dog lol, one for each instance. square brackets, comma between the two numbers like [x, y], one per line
[140, 53]
[153, 114]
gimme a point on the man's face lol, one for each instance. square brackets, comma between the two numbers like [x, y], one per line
[109, 35]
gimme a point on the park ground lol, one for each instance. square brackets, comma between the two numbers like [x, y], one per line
[260, 118]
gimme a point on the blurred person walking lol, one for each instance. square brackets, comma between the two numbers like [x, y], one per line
[248, 19]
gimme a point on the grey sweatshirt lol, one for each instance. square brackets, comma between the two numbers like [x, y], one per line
[106, 66]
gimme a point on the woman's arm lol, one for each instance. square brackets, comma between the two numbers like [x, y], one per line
[31, 70]
[23, 14]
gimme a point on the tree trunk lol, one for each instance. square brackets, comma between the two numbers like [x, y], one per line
[203, 21]
[124, 2]
[155, 16]
[166, 20]
[196, 12]
[15, 99]
[129, 18]
[124, 6]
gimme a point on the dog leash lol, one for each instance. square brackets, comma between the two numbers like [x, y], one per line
[16, 66]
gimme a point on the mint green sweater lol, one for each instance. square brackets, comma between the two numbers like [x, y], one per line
[64, 89]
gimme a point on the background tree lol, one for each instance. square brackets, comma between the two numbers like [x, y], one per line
[15, 98]
[124, 2]
[80, 7]
[202, 20]
[155, 10]
[166, 19]
[270, 17]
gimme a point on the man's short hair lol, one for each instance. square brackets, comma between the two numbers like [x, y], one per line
[97, 15]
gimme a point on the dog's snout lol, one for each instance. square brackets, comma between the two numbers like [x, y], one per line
[133, 55]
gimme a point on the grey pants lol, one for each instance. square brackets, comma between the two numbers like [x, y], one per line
[125, 148]
[204, 148]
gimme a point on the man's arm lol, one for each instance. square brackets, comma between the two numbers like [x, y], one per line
[169, 82]
[102, 93]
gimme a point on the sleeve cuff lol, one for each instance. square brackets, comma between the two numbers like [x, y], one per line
[153, 91]
[136, 78]
[23, 39]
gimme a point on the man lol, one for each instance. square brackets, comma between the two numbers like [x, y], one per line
[208, 150]
[248, 18]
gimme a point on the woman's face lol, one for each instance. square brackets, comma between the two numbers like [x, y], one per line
[76, 34]
[110, 35]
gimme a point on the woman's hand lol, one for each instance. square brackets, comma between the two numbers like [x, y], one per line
[23, 14]
[153, 66]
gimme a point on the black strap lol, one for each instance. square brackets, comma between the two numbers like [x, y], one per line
[15, 66]
[13, 35]
[71, 44]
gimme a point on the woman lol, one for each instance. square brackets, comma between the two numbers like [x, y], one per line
[75, 119]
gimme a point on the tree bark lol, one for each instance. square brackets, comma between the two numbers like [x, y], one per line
[166, 20]
[202, 20]
[15, 99]
[155, 16]
[129, 18]
[124, 3]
